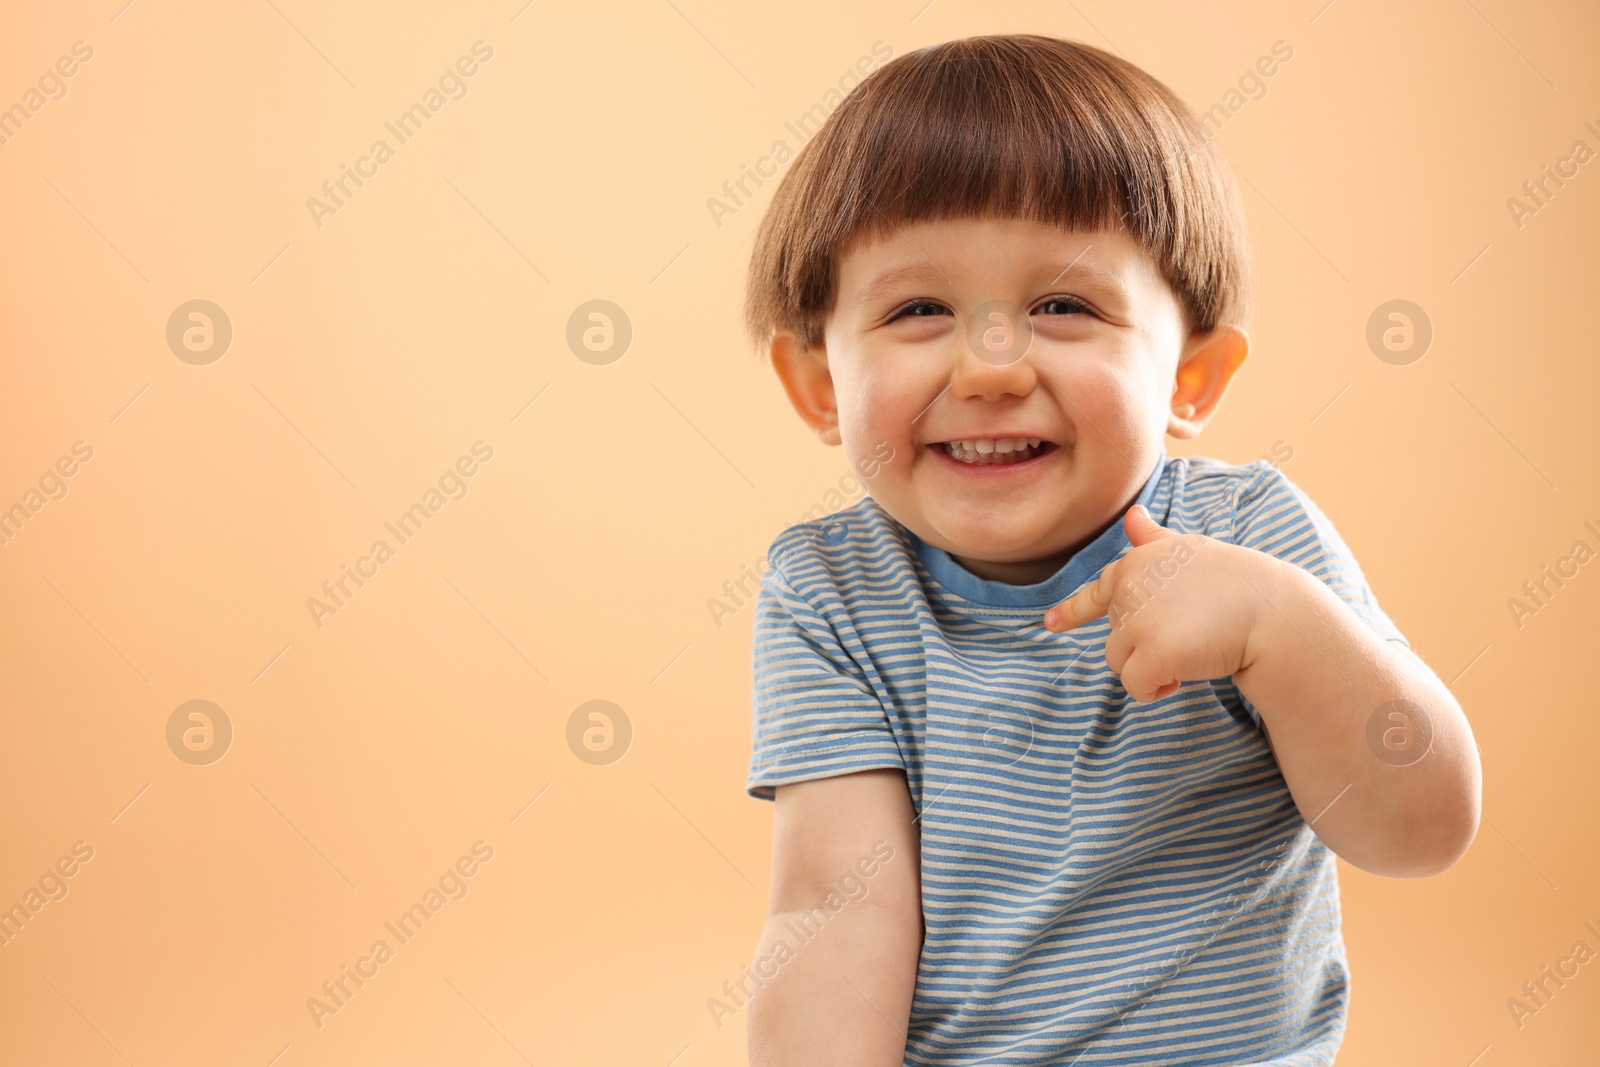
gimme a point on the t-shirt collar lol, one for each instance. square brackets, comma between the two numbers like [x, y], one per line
[1084, 564]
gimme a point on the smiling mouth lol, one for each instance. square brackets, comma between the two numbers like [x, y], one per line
[995, 451]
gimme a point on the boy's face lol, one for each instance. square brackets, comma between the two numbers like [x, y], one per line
[927, 346]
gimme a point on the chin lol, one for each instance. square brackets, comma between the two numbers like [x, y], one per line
[991, 542]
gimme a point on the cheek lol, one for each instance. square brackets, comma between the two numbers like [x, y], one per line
[880, 402]
[1120, 378]
[1096, 387]
[1110, 404]
[856, 412]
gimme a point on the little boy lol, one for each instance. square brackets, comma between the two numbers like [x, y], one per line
[1085, 724]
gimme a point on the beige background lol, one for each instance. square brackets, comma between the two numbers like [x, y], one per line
[370, 353]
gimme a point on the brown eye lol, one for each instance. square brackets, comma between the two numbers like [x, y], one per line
[919, 309]
[1061, 305]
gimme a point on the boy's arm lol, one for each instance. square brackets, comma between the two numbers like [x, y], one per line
[842, 997]
[1320, 676]
[1186, 607]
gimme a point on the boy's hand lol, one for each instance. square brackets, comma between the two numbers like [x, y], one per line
[1183, 607]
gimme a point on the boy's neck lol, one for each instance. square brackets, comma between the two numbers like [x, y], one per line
[1025, 572]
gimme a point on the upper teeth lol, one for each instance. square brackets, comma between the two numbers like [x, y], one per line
[994, 450]
[998, 444]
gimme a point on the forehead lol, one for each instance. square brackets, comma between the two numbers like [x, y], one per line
[963, 252]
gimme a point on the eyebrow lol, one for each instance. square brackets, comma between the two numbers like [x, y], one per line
[886, 281]
[1086, 269]
[1092, 270]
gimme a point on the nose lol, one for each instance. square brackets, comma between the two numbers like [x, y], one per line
[990, 359]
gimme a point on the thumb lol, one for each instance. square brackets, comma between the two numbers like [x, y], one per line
[1142, 528]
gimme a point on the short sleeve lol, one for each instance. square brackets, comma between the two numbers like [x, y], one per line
[1275, 516]
[814, 715]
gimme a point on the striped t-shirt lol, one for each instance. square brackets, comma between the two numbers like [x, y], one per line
[1104, 881]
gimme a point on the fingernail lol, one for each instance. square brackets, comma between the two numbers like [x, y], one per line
[1052, 619]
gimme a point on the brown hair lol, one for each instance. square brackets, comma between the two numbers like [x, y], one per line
[1009, 126]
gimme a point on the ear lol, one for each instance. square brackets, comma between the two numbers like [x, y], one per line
[809, 383]
[1205, 368]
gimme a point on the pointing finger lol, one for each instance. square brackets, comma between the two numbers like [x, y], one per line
[1087, 604]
